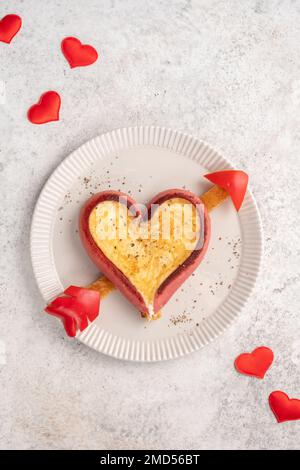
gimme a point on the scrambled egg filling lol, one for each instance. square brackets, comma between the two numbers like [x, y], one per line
[146, 252]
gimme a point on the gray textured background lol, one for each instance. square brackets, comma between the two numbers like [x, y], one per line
[226, 71]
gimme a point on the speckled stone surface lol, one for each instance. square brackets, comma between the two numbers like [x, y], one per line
[228, 72]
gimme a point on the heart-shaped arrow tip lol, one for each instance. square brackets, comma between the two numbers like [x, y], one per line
[255, 363]
[77, 54]
[235, 182]
[46, 110]
[283, 407]
[9, 27]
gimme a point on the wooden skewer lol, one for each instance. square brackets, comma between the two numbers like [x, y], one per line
[211, 199]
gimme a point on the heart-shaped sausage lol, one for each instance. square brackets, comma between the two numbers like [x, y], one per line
[77, 54]
[46, 110]
[255, 363]
[9, 26]
[283, 407]
[146, 262]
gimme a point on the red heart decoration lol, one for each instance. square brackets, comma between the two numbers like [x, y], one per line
[76, 308]
[77, 54]
[235, 182]
[46, 110]
[283, 407]
[256, 363]
[9, 26]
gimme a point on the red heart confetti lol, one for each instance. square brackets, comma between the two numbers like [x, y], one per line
[283, 407]
[9, 26]
[162, 290]
[255, 363]
[77, 54]
[46, 110]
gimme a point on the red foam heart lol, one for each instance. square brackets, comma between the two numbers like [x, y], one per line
[283, 407]
[77, 54]
[46, 110]
[256, 363]
[9, 26]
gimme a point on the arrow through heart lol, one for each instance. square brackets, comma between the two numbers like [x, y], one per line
[78, 54]
[46, 110]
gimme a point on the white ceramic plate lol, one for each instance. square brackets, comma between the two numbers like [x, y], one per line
[144, 161]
